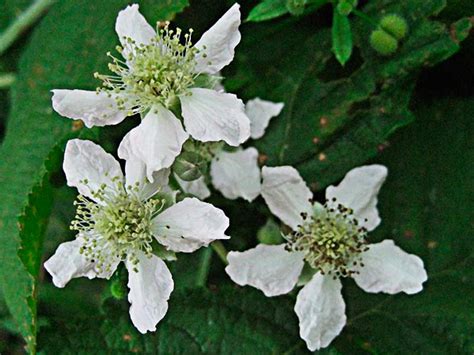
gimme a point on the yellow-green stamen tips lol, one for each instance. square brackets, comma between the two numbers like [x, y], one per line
[331, 240]
[116, 227]
[154, 73]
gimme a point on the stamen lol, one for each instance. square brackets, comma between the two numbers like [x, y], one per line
[155, 73]
[116, 227]
[331, 240]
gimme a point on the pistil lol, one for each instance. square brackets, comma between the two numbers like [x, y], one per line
[331, 240]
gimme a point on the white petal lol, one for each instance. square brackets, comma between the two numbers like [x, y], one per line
[196, 187]
[236, 174]
[321, 311]
[213, 116]
[150, 288]
[358, 190]
[286, 194]
[87, 166]
[260, 112]
[189, 225]
[217, 45]
[67, 263]
[270, 268]
[135, 172]
[131, 24]
[94, 109]
[389, 269]
[157, 141]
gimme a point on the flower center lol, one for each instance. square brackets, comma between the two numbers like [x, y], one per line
[154, 73]
[331, 240]
[116, 227]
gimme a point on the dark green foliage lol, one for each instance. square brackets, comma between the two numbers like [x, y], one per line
[50, 61]
[223, 321]
[426, 207]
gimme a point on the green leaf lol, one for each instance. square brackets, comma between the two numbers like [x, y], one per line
[271, 9]
[341, 37]
[427, 207]
[229, 320]
[267, 10]
[82, 30]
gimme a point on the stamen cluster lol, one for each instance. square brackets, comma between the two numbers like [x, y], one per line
[154, 73]
[331, 239]
[116, 227]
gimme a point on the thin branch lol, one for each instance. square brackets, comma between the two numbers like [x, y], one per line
[22, 23]
[220, 250]
[205, 264]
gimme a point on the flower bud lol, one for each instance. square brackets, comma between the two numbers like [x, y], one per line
[384, 43]
[345, 7]
[190, 166]
[395, 25]
[295, 7]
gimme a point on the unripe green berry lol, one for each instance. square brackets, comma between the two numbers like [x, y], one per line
[395, 25]
[383, 42]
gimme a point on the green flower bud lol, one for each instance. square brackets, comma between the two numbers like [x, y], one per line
[345, 7]
[190, 166]
[270, 233]
[395, 25]
[383, 43]
[295, 7]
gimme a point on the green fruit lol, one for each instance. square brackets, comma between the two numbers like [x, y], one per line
[383, 43]
[395, 25]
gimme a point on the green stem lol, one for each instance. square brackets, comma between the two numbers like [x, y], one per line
[203, 271]
[220, 250]
[25, 20]
[6, 80]
[365, 17]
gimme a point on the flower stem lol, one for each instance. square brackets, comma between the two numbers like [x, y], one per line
[220, 250]
[364, 17]
[25, 20]
[205, 264]
[6, 80]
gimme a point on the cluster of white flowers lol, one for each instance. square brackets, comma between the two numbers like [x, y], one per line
[168, 82]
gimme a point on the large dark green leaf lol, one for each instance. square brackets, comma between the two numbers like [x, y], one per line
[427, 207]
[81, 30]
[224, 321]
[333, 119]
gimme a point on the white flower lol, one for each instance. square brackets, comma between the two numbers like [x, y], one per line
[118, 218]
[236, 173]
[331, 239]
[160, 74]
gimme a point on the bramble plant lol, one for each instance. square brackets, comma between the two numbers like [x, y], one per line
[217, 178]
